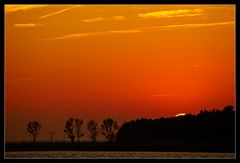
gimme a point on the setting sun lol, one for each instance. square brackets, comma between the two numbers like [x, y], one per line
[180, 114]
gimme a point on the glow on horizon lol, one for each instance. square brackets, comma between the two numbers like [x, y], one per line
[180, 114]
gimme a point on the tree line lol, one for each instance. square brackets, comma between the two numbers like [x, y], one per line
[73, 129]
[206, 126]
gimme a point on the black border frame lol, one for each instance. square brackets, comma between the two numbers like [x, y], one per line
[207, 2]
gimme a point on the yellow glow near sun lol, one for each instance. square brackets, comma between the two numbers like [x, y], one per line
[180, 114]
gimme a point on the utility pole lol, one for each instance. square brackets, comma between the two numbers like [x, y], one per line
[51, 133]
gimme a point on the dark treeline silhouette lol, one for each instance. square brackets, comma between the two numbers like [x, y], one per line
[207, 126]
[93, 130]
[78, 124]
[212, 131]
[69, 129]
[109, 129]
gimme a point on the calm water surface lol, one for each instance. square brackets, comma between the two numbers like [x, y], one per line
[130, 155]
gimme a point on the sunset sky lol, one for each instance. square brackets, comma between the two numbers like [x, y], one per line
[114, 61]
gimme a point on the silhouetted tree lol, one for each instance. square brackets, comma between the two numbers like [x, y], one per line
[207, 126]
[33, 128]
[93, 130]
[69, 129]
[109, 129]
[228, 109]
[78, 124]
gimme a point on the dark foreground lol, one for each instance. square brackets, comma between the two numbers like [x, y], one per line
[224, 147]
[118, 155]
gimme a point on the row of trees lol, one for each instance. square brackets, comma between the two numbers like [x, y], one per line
[73, 129]
[109, 129]
[206, 126]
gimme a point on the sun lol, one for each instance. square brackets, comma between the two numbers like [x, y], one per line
[180, 114]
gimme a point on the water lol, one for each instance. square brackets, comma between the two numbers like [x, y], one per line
[122, 155]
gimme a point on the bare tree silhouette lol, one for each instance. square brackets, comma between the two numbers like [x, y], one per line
[33, 128]
[109, 129]
[69, 129]
[78, 123]
[93, 130]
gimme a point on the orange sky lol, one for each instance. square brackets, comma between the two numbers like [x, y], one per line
[119, 61]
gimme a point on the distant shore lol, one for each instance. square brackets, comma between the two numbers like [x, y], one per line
[224, 147]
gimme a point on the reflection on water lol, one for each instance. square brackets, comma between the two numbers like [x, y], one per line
[131, 155]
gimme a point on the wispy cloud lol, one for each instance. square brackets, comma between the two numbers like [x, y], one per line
[141, 29]
[78, 35]
[125, 31]
[15, 8]
[118, 17]
[179, 26]
[28, 25]
[57, 12]
[97, 19]
[93, 19]
[171, 13]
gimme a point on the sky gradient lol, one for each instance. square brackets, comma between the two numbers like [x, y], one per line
[118, 61]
